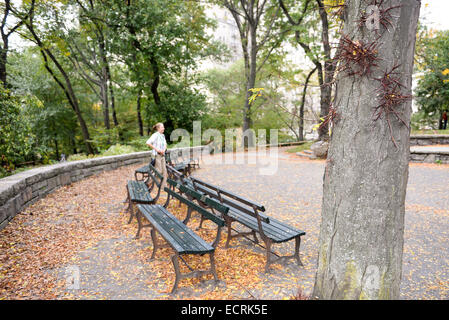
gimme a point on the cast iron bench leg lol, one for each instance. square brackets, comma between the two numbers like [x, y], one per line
[130, 209]
[197, 274]
[139, 223]
[212, 265]
[268, 247]
[174, 259]
[155, 244]
[297, 244]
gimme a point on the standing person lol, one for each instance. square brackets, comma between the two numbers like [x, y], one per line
[158, 143]
[444, 120]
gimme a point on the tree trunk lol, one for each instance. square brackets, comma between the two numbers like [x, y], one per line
[105, 103]
[251, 81]
[67, 88]
[56, 148]
[303, 103]
[3, 60]
[365, 180]
[156, 80]
[329, 69]
[139, 115]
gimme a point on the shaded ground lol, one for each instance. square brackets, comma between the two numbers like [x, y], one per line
[84, 227]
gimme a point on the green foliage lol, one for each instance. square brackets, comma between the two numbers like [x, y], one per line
[51, 120]
[118, 149]
[301, 147]
[139, 144]
[227, 88]
[104, 138]
[432, 92]
[16, 139]
[181, 106]
[113, 150]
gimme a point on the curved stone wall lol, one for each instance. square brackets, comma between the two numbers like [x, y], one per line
[428, 139]
[20, 190]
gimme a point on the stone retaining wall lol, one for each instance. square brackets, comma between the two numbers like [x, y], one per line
[429, 156]
[20, 190]
[428, 139]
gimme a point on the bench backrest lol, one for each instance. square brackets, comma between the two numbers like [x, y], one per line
[188, 192]
[155, 175]
[229, 194]
[174, 174]
[230, 199]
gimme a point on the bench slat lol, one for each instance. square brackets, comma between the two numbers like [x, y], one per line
[143, 169]
[178, 235]
[230, 194]
[275, 230]
[220, 222]
[138, 192]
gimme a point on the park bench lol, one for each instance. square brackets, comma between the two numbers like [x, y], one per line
[143, 172]
[182, 162]
[139, 192]
[172, 160]
[249, 214]
[178, 235]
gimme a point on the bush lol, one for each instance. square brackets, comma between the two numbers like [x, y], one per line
[139, 144]
[118, 149]
[80, 156]
[16, 138]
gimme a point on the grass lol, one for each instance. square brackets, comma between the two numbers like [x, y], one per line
[430, 131]
[300, 148]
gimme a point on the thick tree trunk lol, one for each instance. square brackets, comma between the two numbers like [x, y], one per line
[365, 180]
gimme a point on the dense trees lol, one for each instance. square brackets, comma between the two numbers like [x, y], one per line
[134, 61]
[432, 90]
[104, 71]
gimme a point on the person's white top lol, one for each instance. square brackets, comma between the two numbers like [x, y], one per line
[158, 141]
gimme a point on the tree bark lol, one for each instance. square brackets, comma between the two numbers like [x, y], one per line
[326, 74]
[5, 39]
[156, 79]
[329, 70]
[139, 114]
[3, 60]
[301, 107]
[250, 84]
[365, 180]
[250, 16]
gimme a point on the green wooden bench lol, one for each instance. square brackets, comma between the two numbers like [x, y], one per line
[141, 174]
[139, 193]
[178, 235]
[249, 214]
[172, 160]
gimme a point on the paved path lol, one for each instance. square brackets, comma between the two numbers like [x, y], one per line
[113, 265]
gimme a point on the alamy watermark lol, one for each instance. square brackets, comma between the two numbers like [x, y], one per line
[72, 277]
[236, 147]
